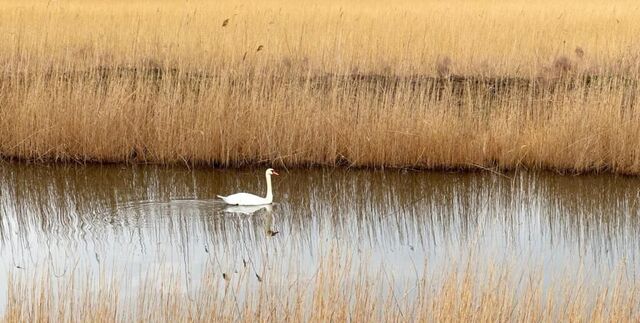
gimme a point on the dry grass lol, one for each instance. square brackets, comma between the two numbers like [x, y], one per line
[338, 291]
[417, 84]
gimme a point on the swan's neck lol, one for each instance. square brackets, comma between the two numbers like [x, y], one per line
[269, 197]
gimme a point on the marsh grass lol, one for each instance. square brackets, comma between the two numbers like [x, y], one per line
[338, 291]
[417, 85]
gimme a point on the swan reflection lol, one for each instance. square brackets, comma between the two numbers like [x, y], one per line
[248, 209]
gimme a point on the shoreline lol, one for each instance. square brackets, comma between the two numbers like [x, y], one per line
[468, 169]
[573, 123]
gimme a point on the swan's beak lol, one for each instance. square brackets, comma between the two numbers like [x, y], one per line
[274, 173]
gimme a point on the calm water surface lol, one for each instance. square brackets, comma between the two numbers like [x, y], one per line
[60, 220]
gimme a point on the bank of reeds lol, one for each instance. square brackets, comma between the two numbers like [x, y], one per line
[417, 84]
[337, 292]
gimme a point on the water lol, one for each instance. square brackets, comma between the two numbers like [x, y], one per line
[61, 220]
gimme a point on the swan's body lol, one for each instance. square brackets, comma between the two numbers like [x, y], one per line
[245, 199]
[250, 199]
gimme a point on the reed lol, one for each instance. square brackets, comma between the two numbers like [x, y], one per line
[417, 84]
[339, 291]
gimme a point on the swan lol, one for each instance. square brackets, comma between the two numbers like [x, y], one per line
[250, 199]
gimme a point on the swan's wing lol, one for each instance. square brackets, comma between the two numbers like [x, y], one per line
[244, 199]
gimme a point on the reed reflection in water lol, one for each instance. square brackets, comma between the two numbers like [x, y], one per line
[134, 220]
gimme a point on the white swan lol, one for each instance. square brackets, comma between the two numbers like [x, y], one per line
[250, 199]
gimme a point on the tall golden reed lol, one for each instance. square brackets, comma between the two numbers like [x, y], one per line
[337, 292]
[419, 84]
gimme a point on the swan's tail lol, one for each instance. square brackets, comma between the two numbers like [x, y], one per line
[220, 196]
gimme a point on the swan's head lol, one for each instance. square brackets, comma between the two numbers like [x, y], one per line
[270, 171]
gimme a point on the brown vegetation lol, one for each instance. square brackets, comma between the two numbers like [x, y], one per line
[421, 84]
[339, 291]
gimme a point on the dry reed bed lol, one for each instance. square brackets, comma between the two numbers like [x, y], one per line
[339, 291]
[424, 85]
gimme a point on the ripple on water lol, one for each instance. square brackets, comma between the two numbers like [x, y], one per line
[104, 218]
